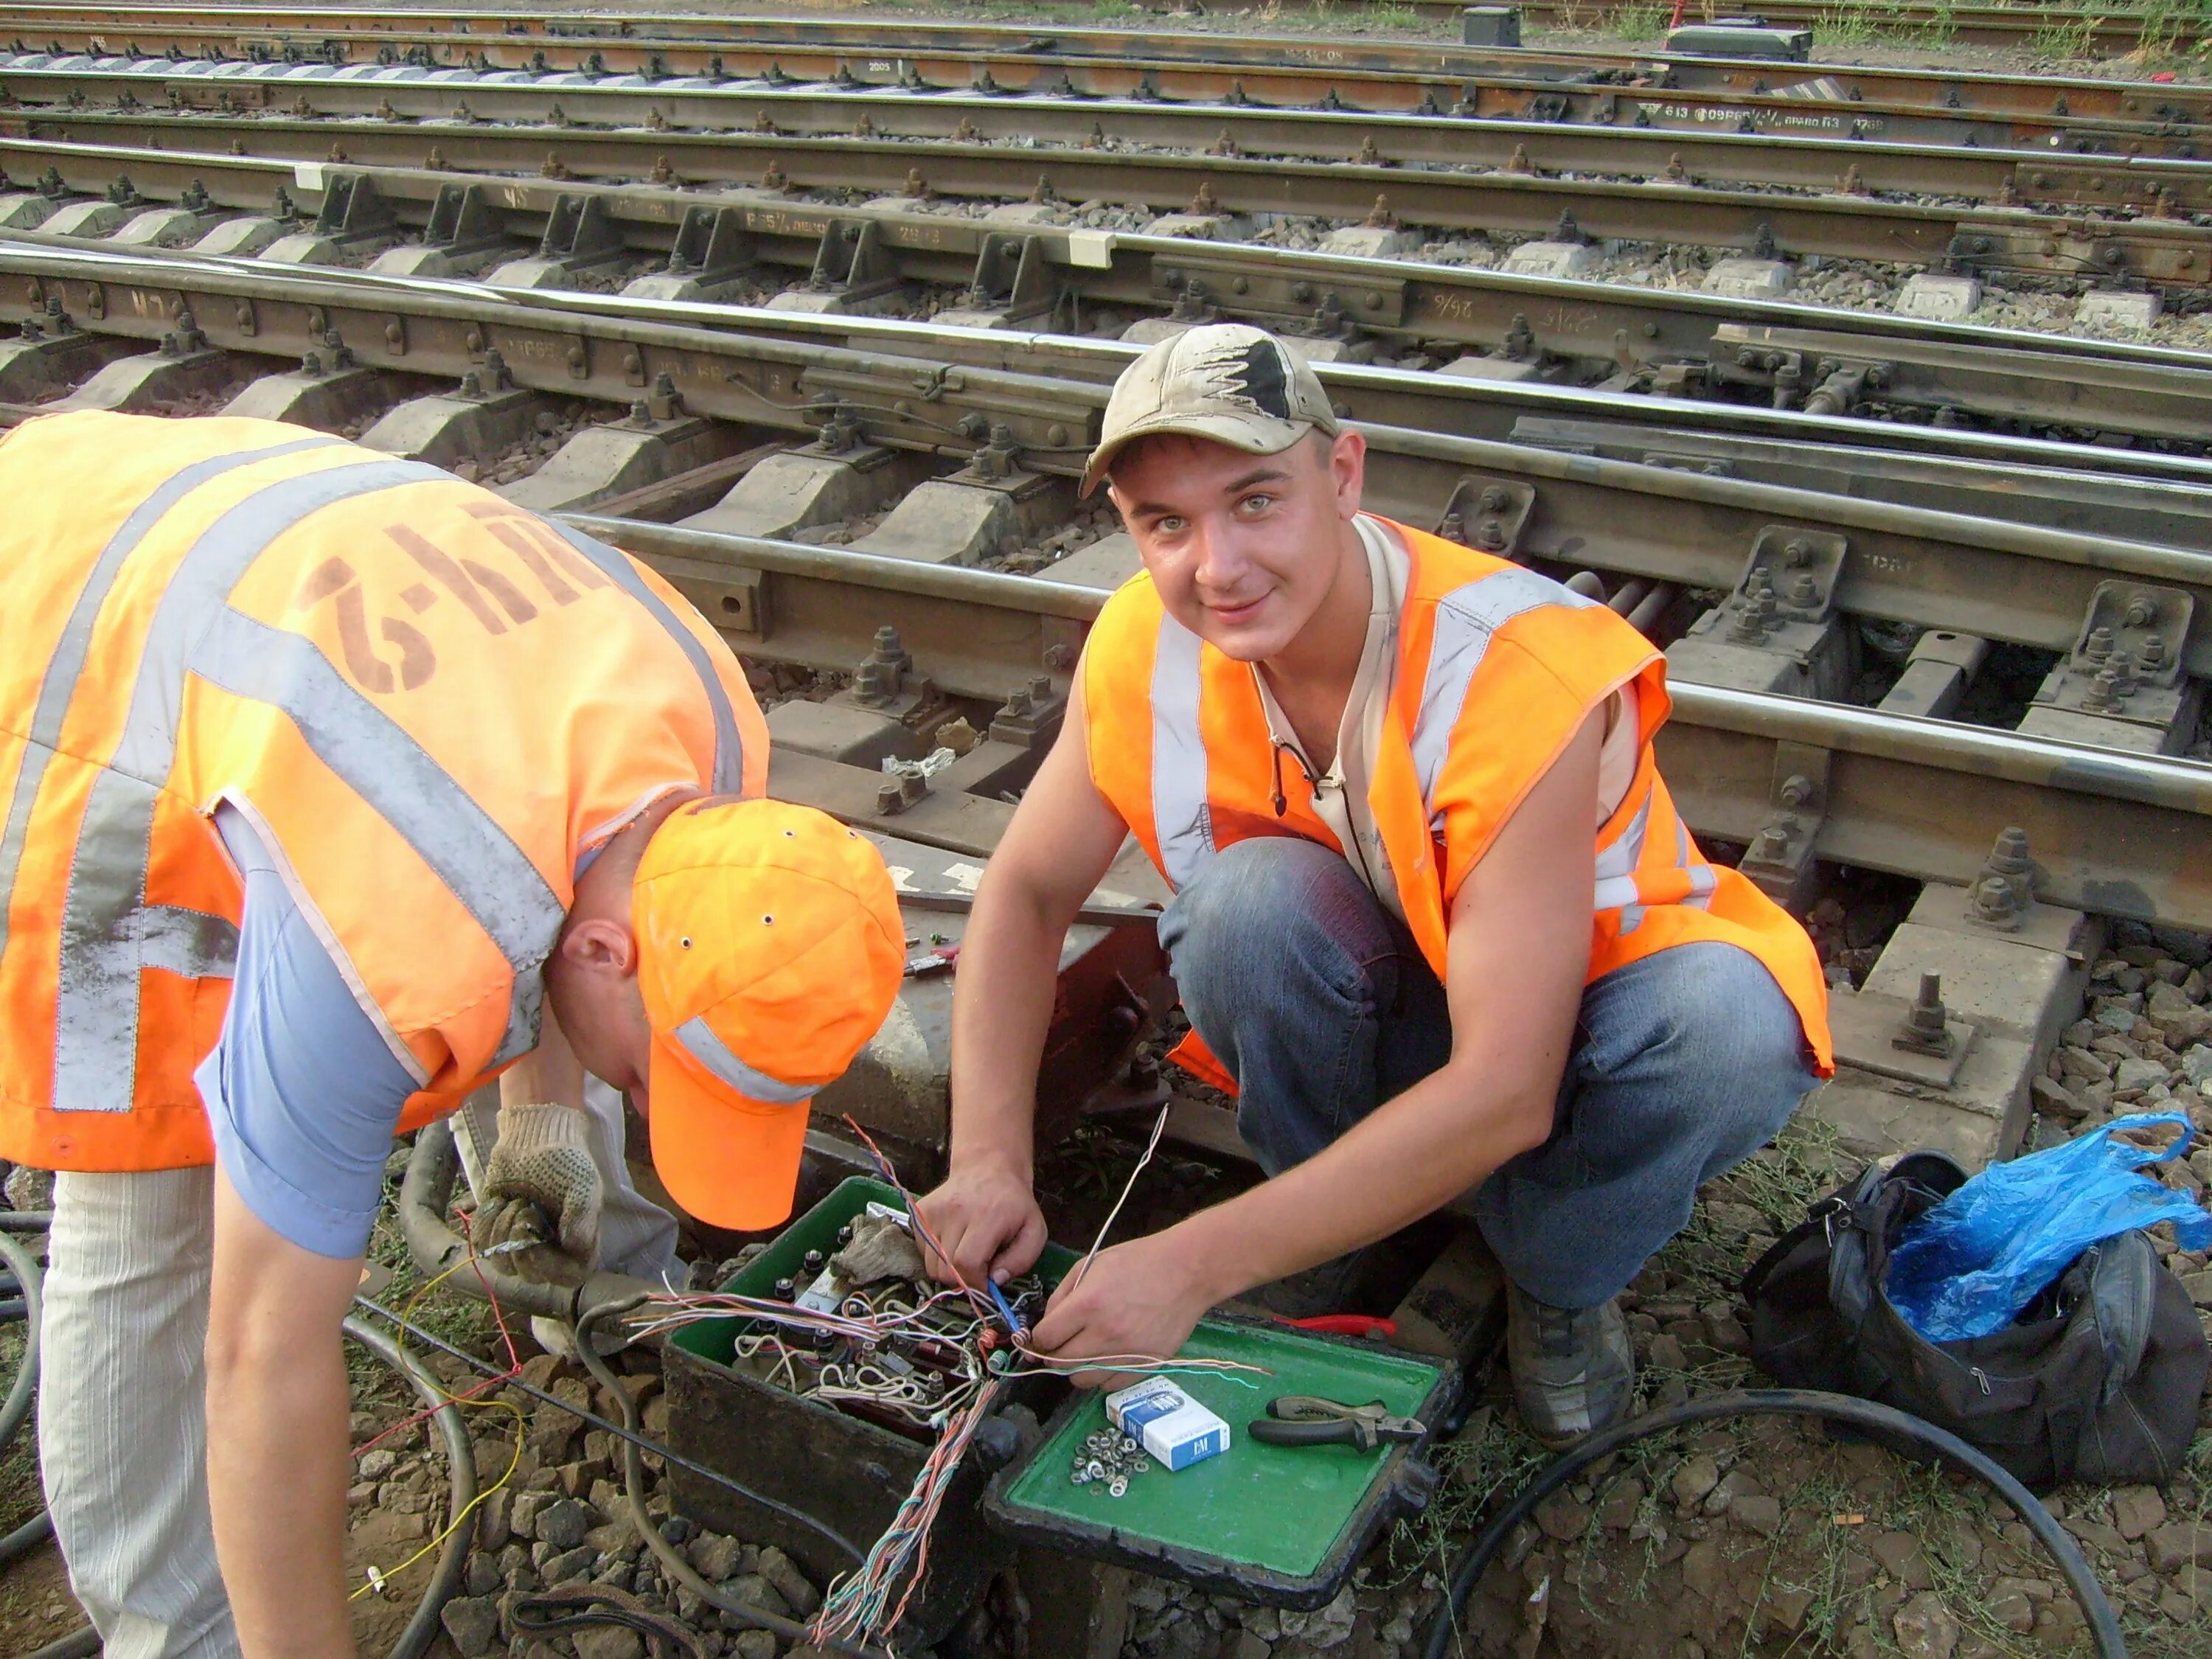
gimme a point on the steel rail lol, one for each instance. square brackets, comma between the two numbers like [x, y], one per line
[2131, 496]
[2023, 583]
[1825, 152]
[2162, 252]
[2122, 834]
[418, 90]
[1366, 71]
[1532, 323]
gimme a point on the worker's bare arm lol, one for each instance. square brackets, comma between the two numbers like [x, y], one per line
[1518, 950]
[549, 1071]
[1062, 838]
[277, 1435]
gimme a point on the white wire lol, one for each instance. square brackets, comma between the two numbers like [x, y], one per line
[1159, 1127]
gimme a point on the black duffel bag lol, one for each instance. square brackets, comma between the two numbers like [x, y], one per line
[2098, 1379]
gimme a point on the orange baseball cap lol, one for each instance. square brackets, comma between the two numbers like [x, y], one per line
[770, 950]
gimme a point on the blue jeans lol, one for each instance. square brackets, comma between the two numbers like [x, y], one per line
[1319, 1003]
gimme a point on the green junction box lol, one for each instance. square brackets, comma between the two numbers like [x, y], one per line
[1274, 1524]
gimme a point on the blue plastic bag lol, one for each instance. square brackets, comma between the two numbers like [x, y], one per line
[1969, 1265]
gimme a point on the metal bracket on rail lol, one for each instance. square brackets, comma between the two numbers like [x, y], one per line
[1231, 280]
[713, 244]
[1780, 858]
[853, 263]
[1010, 281]
[1490, 515]
[463, 221]
[580, 233]
[353, 212]
[2126, 660]
[998, 464]
[1030, 716]
[1790, 577]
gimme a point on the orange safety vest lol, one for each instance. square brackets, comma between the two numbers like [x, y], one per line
[1498, 669]
[427, 701]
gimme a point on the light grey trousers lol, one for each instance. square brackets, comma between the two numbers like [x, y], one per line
[123, 1387]
[123, 1410]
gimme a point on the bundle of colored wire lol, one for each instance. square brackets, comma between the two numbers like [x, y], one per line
[858, 1607]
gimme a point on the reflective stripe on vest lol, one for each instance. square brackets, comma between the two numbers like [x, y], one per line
[380, 762]
[1468, 619]
[108, 932]
[96, 1003]
[58, 685]
[1180, 817]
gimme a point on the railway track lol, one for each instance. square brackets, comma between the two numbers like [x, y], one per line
[1515, 346]
[712, 404]
[1366, 181]
[1667, 91]
[1817, 148]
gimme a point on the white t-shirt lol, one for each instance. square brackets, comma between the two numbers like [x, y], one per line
[1339, 794]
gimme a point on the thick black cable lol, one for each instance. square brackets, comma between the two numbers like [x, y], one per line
[26, 1221]
[82, 1643]
[2104, 1625]
[24, 1388]
[642, 1441]
[27, 1537]
[461, 1468]
[673, 1564]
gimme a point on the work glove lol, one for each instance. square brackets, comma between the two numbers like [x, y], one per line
[540, 1217]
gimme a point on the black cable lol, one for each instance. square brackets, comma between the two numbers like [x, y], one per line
[460, 1457]
[27, 1537]
[26, 1221]
[644, 1442]
[461, 1469]
[2104, 1625]
[24, 1388]
[83, 1643]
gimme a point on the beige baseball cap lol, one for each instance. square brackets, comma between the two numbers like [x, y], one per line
[1235, 384]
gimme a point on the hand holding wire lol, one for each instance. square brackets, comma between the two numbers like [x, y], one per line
[1138, 1304]
[982, 1223]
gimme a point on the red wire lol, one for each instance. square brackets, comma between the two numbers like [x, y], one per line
[507, 1337]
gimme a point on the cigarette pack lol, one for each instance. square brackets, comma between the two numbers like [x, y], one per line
[1171, 1426]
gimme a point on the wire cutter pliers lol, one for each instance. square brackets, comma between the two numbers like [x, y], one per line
[1304, 1419]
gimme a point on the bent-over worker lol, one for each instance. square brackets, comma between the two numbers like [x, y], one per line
[1435, 919]
[334, 785]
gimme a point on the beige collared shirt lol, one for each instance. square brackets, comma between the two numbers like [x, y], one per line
[1339, 794]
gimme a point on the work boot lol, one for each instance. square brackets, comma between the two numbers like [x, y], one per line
[1573, 1370]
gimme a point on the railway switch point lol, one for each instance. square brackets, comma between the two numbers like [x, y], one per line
[1490, 26]
[1938, 299]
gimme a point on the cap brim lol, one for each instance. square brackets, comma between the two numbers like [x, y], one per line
[729, 1160]
[1255, 434]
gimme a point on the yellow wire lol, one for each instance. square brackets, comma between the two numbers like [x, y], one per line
[380, 1575]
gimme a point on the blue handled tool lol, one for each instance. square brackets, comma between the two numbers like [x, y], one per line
[1005, 1309]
